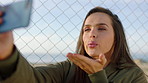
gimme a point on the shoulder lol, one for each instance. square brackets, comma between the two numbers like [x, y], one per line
[132, 73]
[129, 74]
[137, 75]
[131, 69]
[135, 70]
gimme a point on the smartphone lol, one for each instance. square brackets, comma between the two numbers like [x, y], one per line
[16, 15]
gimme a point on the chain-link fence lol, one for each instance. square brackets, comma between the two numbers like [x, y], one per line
[55, 27]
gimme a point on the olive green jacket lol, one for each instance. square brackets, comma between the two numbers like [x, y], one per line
[16, 69]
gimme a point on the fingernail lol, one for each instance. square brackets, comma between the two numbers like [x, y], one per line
[1, 21]
[1, 13]
[74, 54]
[69, 54]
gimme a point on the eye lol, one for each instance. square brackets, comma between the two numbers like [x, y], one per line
[101, 28]
[87, 29]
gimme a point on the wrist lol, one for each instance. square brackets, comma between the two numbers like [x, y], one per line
[6, 55]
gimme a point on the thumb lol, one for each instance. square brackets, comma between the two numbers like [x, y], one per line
[102, 59]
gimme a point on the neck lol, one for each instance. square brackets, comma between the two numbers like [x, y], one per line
[108, 58]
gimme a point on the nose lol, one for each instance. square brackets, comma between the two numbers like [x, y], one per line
[93, 34]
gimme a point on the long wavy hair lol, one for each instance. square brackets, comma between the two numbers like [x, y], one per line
[120, 45]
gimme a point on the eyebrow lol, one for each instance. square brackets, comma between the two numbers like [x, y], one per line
[97, 24]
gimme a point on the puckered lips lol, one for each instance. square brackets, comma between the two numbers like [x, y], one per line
[92, 44]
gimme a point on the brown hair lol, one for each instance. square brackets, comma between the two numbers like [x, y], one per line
[120, 44]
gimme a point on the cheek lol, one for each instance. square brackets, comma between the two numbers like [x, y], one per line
[85, 39]
[107, 43]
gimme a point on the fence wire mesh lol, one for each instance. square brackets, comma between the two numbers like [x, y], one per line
[55, 27]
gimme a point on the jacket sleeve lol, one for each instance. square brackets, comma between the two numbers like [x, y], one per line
[98, 77]
[8, 66]
[23, 72]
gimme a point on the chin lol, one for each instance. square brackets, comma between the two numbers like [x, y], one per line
[94, 55]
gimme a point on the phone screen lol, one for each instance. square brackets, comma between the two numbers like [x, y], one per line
[16, 15]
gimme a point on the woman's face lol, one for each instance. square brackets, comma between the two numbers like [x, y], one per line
[98, 36]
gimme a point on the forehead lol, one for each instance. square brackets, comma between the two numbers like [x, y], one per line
[98, 17]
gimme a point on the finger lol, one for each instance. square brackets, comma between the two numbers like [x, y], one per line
[82, 58]
[88, 65]
[1, 13]
[1, 20]
[73, 58]
[87, 71]
[82, 64]
[85, 63]
[102, 60]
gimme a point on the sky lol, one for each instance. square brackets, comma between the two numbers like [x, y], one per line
[55, 24]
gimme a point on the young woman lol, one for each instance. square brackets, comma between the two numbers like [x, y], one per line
[102, 56]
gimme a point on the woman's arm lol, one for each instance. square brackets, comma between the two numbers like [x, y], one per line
[6, 42]
[24, 73]
[15, 69]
